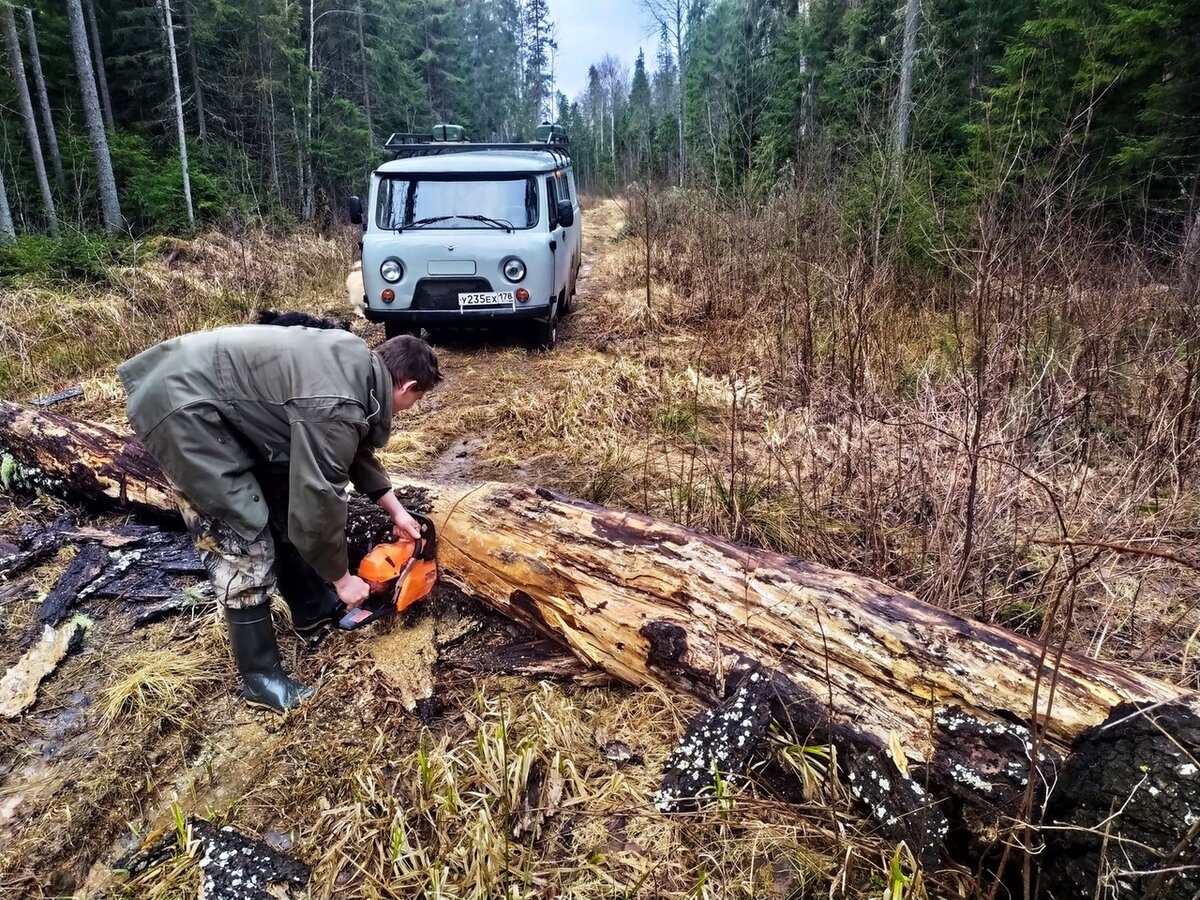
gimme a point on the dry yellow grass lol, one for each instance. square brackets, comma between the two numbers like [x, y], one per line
[153, 687]
[657, 408]
[53, 334]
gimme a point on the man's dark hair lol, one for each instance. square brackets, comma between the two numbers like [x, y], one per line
[287, 319]
[409, 358]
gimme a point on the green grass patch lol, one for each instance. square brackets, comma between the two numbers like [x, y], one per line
[78, 256]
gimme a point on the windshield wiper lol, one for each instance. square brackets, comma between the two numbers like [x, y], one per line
[488, 220]
[429, 221]
[499, 223]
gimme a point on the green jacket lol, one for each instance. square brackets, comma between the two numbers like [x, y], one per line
[215, 405]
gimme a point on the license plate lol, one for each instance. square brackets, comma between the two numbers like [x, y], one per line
[486, 298]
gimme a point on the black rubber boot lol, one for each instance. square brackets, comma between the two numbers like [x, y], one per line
[264, 683]
[313, 603]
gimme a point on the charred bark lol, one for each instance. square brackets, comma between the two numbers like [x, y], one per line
[83, 570]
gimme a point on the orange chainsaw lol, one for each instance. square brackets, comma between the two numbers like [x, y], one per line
[399, 574]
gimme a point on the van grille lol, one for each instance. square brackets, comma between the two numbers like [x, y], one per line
[442, 293]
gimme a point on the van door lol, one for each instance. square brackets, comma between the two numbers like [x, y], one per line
[566, 188]
[558, 234]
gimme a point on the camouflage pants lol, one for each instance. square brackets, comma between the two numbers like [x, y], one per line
[242, 571]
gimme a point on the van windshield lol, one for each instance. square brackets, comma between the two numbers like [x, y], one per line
[404, 201]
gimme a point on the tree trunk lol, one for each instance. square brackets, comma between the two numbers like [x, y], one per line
[273, 158]
[806, 117]
[183, 159]
[109, 204]
[679, 16]
[907, 60]
[939, 725]
[7, 232]
[17, 70]
[366, 74]
[301, 189]
[309, 195]
[101, 75]
[39, 81]
[194, 65]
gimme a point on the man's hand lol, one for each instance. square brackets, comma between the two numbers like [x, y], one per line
[351, 590]
[403, 523]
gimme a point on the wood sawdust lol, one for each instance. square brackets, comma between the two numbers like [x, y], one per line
[404, 658]
[405, 654]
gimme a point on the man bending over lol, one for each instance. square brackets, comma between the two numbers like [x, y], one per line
[259, 430]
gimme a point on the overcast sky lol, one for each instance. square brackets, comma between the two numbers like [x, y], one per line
[587, 29]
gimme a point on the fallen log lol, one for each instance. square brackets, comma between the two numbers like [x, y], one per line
[938, 723]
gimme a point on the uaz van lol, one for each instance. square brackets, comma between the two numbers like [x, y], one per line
[460, 234]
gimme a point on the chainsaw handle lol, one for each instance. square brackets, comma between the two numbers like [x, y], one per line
[426, 544]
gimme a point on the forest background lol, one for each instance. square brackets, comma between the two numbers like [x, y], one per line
[927, 112]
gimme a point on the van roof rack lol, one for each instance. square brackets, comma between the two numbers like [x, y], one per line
[405, 145]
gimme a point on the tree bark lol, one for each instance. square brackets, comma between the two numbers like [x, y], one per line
[912, 12]
[35, 58]
[109, 204]
[940, 725]
[309, 193]
[7, 232]
[366, 74]
[806, 117]
[679, 34]
[101, 74]
[194, 64]
[17, 70]
[183, 158]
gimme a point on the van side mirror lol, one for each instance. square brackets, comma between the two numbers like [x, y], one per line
[566, 213]
[354, 208]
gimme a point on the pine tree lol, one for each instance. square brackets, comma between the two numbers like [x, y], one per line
[912, 12]
[664, 89]
[639, 122]
[39, 80]
[194, 66]
[91, 108]
[1110, 93]
[539, 41]
[17, 70]
[100, 69]
[366, 75]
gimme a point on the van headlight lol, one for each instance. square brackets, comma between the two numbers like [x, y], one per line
[392, 270]
[513, 269]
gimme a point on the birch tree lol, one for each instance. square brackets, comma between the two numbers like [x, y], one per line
[183, 159]
[39, 81]
[98, 54]
[109, 204]
[7, 232]
[908, 57]
[17, 68]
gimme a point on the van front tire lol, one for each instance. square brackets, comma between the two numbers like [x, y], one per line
[545, 335]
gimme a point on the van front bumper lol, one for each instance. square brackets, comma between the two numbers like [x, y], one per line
[450, 318]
